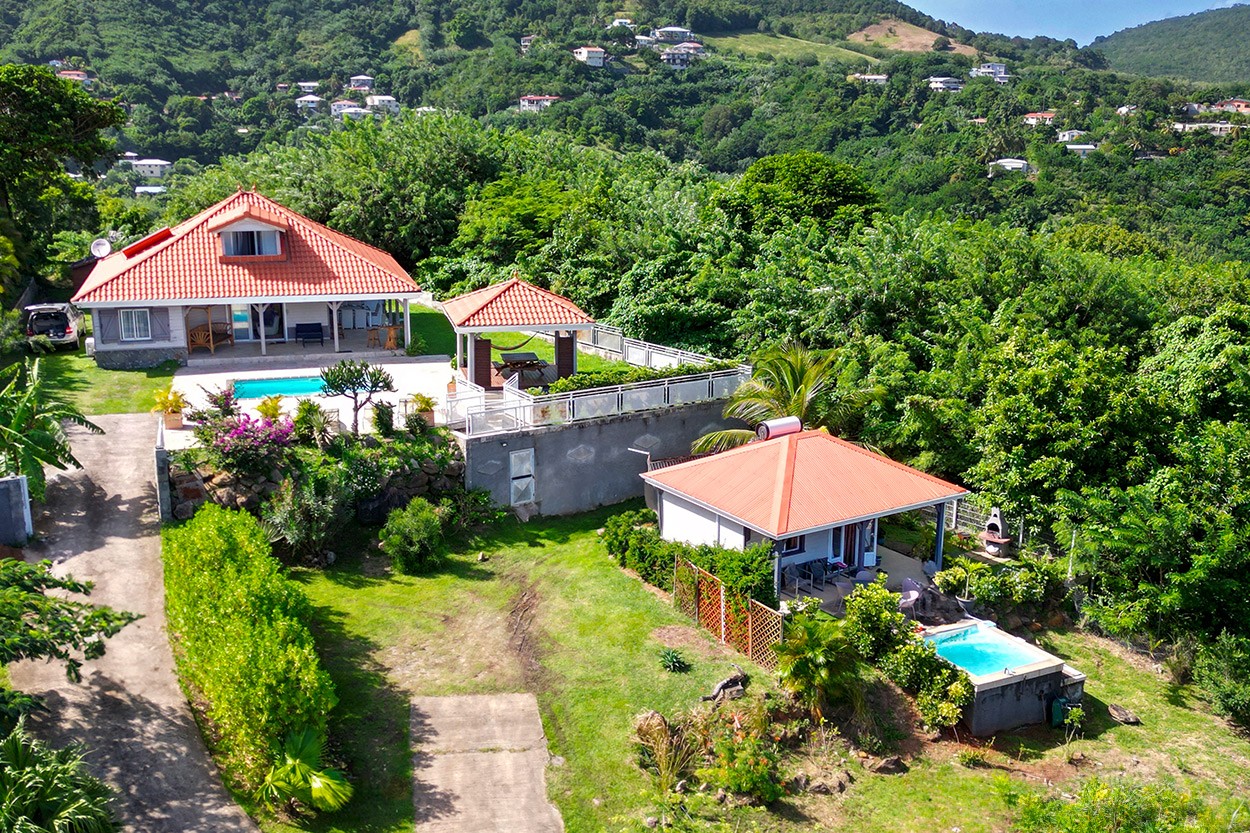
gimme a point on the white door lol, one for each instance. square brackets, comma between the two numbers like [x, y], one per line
[521, 469]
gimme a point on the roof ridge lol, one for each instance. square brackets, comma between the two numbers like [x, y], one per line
[895, 463]
[488, 296]
[785, 465]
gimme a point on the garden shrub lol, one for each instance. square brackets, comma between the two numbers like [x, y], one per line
[243, 645]
[746, 764]
[630, 374]
[466, 509]
[1112, 804]
[1222, 668]
[312, 424]
[243, 445]
[873, 623]
[413, 537]
[384, 419]
[942, 691]
[305, 513]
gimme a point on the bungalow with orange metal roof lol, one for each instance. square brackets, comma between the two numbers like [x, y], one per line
[814, 498]
[242, 275]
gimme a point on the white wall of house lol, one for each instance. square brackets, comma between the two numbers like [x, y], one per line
[681, 520]
[311, 313]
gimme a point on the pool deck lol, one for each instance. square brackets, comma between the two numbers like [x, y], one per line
[421, 374]
[1046, 664]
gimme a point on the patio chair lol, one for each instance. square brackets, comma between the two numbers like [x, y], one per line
[792, 578]
[865, 577]
[911, 595]
[814, 572]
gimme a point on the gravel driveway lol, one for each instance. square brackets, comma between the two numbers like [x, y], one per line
[101, 524]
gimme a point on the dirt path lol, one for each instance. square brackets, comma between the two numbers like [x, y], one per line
[101, 525]
[480, 765]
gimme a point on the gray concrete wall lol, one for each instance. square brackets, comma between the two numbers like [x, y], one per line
[584, 465]
[1013, 705]
[14, 511]
[139, 359]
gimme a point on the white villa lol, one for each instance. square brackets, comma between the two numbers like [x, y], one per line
[239, 276]
[815, 499]
[1010, 164]
[1040, 118]
[337, 107]
[1081, 150]
[994, 70]
[382, 104]
[362, 83]
[537, 103]
[673, 34]
[869, 78]
[309, 102]
[1215, 128]
[151, 168]
[308, 86]
[944, 83]
[1066, 136]
[591, 56]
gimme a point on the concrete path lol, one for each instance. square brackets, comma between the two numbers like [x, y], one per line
[102, 525]
[480, 765]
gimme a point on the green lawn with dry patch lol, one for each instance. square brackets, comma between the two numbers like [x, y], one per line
[752, 42]
[547, 611]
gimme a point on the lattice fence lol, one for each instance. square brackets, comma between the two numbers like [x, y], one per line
[744, 624]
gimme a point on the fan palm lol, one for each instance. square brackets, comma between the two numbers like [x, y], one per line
[820, 666]
[32, 426]
[299, 775]
[45, 789]
[789, 381]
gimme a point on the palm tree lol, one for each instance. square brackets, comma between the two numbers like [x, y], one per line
[820, 666]
[32, 426]
[45, 789]
[790, 380]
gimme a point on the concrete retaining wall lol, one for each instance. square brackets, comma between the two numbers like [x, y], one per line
[1013, 705]
[584, 465]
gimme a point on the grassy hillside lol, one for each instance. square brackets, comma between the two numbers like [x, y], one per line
[750, 42]
[904, 37]
[1209, 46]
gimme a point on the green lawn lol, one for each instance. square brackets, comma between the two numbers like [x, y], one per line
[546, 350]
[434, 328]
[751, 42]
[548, 612]
[95, 391]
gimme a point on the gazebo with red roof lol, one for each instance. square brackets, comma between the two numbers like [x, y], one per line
[812, 496]
[513, 306]
[245, 269]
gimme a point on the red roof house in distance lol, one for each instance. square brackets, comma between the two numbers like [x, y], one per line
[241, 275]
[815, 498]
[1044, 117]
[514, 306]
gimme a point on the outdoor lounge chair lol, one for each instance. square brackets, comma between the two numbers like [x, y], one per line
[911, 594]
[814, 572]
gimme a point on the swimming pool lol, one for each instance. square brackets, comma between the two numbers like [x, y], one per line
[982, 650]
[288, 386]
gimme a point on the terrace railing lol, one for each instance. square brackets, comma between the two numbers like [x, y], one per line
[640, 353]
[516, 409]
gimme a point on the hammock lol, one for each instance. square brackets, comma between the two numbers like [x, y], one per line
[499, 349]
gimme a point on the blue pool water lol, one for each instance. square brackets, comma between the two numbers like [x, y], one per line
[293, 386]
[983, 650]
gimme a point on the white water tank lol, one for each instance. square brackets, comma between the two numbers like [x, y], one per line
[773, 428]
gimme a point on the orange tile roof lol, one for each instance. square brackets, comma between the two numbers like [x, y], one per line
[185, 263]
[802, 482]
[511, 304]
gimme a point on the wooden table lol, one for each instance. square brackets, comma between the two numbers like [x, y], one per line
[392, 336]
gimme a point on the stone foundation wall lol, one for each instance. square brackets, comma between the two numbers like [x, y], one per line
[139, 359]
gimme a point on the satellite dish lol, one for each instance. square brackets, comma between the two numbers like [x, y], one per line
[101, 247]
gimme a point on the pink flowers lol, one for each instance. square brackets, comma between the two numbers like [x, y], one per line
[247, 445]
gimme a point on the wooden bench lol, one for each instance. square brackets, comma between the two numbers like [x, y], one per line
[310, 332]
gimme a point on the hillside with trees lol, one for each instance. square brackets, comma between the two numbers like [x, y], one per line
[1209, 46]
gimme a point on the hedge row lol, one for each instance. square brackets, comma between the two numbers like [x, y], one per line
[630, 374]
[242, 643]
[633, 539]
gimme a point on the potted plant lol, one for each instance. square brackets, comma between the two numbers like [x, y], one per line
[424, 406]
[171, 403]
[957, 579]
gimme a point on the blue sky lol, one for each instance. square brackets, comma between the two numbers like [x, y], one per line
[1082, 20]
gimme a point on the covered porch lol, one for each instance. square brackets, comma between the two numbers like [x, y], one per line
[517, 308]
[257, 327]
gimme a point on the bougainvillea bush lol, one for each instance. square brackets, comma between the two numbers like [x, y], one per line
[246, 445]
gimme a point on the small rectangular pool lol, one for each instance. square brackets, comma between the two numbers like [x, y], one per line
[1014, 682]
[287, 386]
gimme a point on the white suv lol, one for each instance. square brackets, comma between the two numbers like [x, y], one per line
[60, 324]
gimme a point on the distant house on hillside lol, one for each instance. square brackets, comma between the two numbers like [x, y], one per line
[537, 103]
[77, 76]
[1191, 108]
[619, 22]
[591, 56]
[1066, 136]
[1234, 105]
[354, 113]
[382, 104]
[1126, 110]
[1215, 128]
[1035, 119]
[149, 190]
[676, 58]
[151, 168]
[360, 83]
[309, 102]
[644, 42]
[308, 87]
[1082, 150]
[673, 34]
[282, 88]
[993, 70]
[690, 47]
[1010, 164]
[526, 42]
[944, 83]
[337, 107]
[866, 78]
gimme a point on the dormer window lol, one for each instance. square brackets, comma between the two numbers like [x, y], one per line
[250, 243]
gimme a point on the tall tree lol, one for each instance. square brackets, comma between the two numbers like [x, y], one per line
[46, 120]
